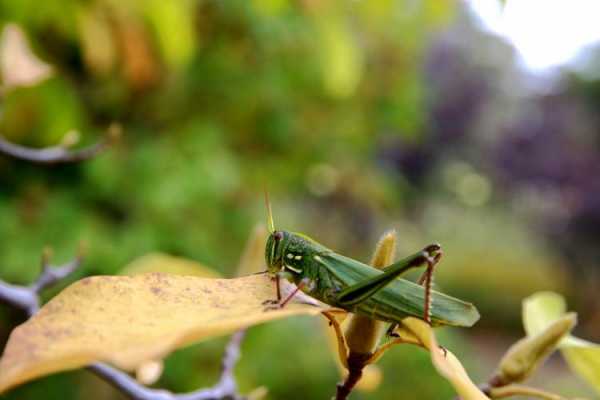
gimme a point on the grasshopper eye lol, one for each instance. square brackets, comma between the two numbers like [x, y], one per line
[278, 235]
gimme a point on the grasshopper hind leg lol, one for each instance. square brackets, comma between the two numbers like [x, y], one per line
[362, 290]
[427, 281]
[390, 330]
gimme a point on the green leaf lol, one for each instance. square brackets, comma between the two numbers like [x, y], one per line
[542, 309]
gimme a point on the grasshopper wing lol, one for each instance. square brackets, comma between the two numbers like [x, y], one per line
[400, 298]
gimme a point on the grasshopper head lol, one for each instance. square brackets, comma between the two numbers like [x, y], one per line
[275, 249]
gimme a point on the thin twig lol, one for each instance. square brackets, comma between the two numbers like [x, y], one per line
[20, 297]
[26, 298]
[59, 154]
[53, 274]
[127, 385]
[226, 388]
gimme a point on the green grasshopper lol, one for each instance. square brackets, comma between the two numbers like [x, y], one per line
[358, 288]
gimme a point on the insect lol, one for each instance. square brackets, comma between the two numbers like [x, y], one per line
[358, 288]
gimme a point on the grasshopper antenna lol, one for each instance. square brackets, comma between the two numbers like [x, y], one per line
[270, 223]
[261, 272]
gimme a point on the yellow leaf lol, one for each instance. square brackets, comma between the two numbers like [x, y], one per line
[253, 256]
[542, 309]
[160, 262]
[524, 357]
[585, 361]
[128, 321]
[445, 362]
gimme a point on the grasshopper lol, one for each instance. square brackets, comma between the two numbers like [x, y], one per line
[358, 288]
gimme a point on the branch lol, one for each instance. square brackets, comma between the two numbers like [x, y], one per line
[26, 298]
[53, 274]
[356, 363]
[22, 298]
[226, 388]
[59, 154]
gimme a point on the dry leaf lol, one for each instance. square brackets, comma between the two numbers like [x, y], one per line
[165, 263]
[253, 256]
[445, 363]
[150, 372]
[128, 321]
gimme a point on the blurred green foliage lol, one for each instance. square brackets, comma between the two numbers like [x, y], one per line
[218, 99]
[215, 103]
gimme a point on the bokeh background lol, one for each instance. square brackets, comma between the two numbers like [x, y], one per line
[358, 116]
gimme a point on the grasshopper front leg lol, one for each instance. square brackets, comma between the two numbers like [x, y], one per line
[275, 279]
[363, 290]
[279, 303]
